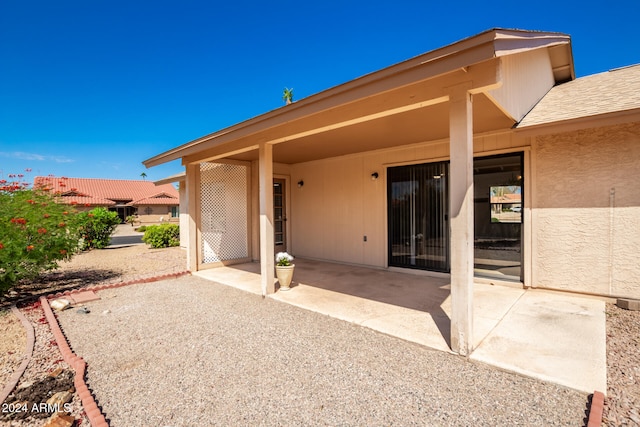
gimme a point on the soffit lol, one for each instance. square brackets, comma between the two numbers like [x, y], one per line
[386, 132]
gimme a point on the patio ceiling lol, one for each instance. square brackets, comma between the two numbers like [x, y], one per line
[389, 131]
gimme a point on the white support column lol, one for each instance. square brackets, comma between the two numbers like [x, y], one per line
[267, 261]
[461, 214]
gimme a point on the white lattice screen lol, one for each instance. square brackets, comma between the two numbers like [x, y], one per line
[223, 189]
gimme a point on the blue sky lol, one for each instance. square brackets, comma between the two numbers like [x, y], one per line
[93, 88]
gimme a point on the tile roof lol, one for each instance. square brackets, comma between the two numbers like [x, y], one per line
[609, 92]
[156, 199]
[109, 192]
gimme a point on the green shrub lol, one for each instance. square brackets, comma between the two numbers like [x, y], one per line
[35, 233]
[162, 236]
[97, 225]
[141, 229]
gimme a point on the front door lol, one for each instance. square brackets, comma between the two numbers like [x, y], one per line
[279, 216]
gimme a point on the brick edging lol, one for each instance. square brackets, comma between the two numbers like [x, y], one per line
[595, 411]
[96, 417]
[78, 364]
[28, 352]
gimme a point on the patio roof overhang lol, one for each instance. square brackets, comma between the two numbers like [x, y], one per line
[381, 109]
[179, 177]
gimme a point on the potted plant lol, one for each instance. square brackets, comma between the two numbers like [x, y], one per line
[284, 270]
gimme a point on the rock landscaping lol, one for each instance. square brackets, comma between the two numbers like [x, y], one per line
[47, 381]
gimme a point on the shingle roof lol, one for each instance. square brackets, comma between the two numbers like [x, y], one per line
[608, 92]
[109, 192]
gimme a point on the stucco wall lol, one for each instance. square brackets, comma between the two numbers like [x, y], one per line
[586, 211]
[154, 210]
[156, 219]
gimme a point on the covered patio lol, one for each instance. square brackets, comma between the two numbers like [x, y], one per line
[546, 335]
[440, 108]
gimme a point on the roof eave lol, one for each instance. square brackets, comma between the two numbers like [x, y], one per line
[179, 177]
[592, 121]
[500, 42]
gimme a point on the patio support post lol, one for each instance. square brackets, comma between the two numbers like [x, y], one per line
[267, 261]
[461, 214]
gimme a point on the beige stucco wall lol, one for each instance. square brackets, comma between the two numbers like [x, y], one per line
[582, 201]
[154, 214]
[586, 211]
[154, 210]
[156, 219]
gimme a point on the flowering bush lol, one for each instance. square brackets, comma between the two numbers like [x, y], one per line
[96, 227]
[162, 236]
[283, 259]
[35, 232]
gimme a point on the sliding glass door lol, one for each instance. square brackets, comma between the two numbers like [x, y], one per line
[418, 215]
[498, 187]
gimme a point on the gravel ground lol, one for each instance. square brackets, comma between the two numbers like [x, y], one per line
[12, 345]
[110, 265]
[190, 352]
[622, 405]
[45, 359]
[164, 357]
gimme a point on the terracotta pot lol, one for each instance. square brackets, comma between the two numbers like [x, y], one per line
[284, 275]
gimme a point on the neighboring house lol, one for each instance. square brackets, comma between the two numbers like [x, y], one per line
[151, 203]
[396, 169]
[183, 208]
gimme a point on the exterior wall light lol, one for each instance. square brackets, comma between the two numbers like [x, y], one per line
[374, 176]
[300, 183]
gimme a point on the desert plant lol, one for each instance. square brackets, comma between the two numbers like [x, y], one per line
[97, 225]
[162, 236]
[35, 233]
[287, 95]
[131, 219]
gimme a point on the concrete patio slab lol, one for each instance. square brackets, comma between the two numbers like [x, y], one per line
[554, 337]
[545, 335]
